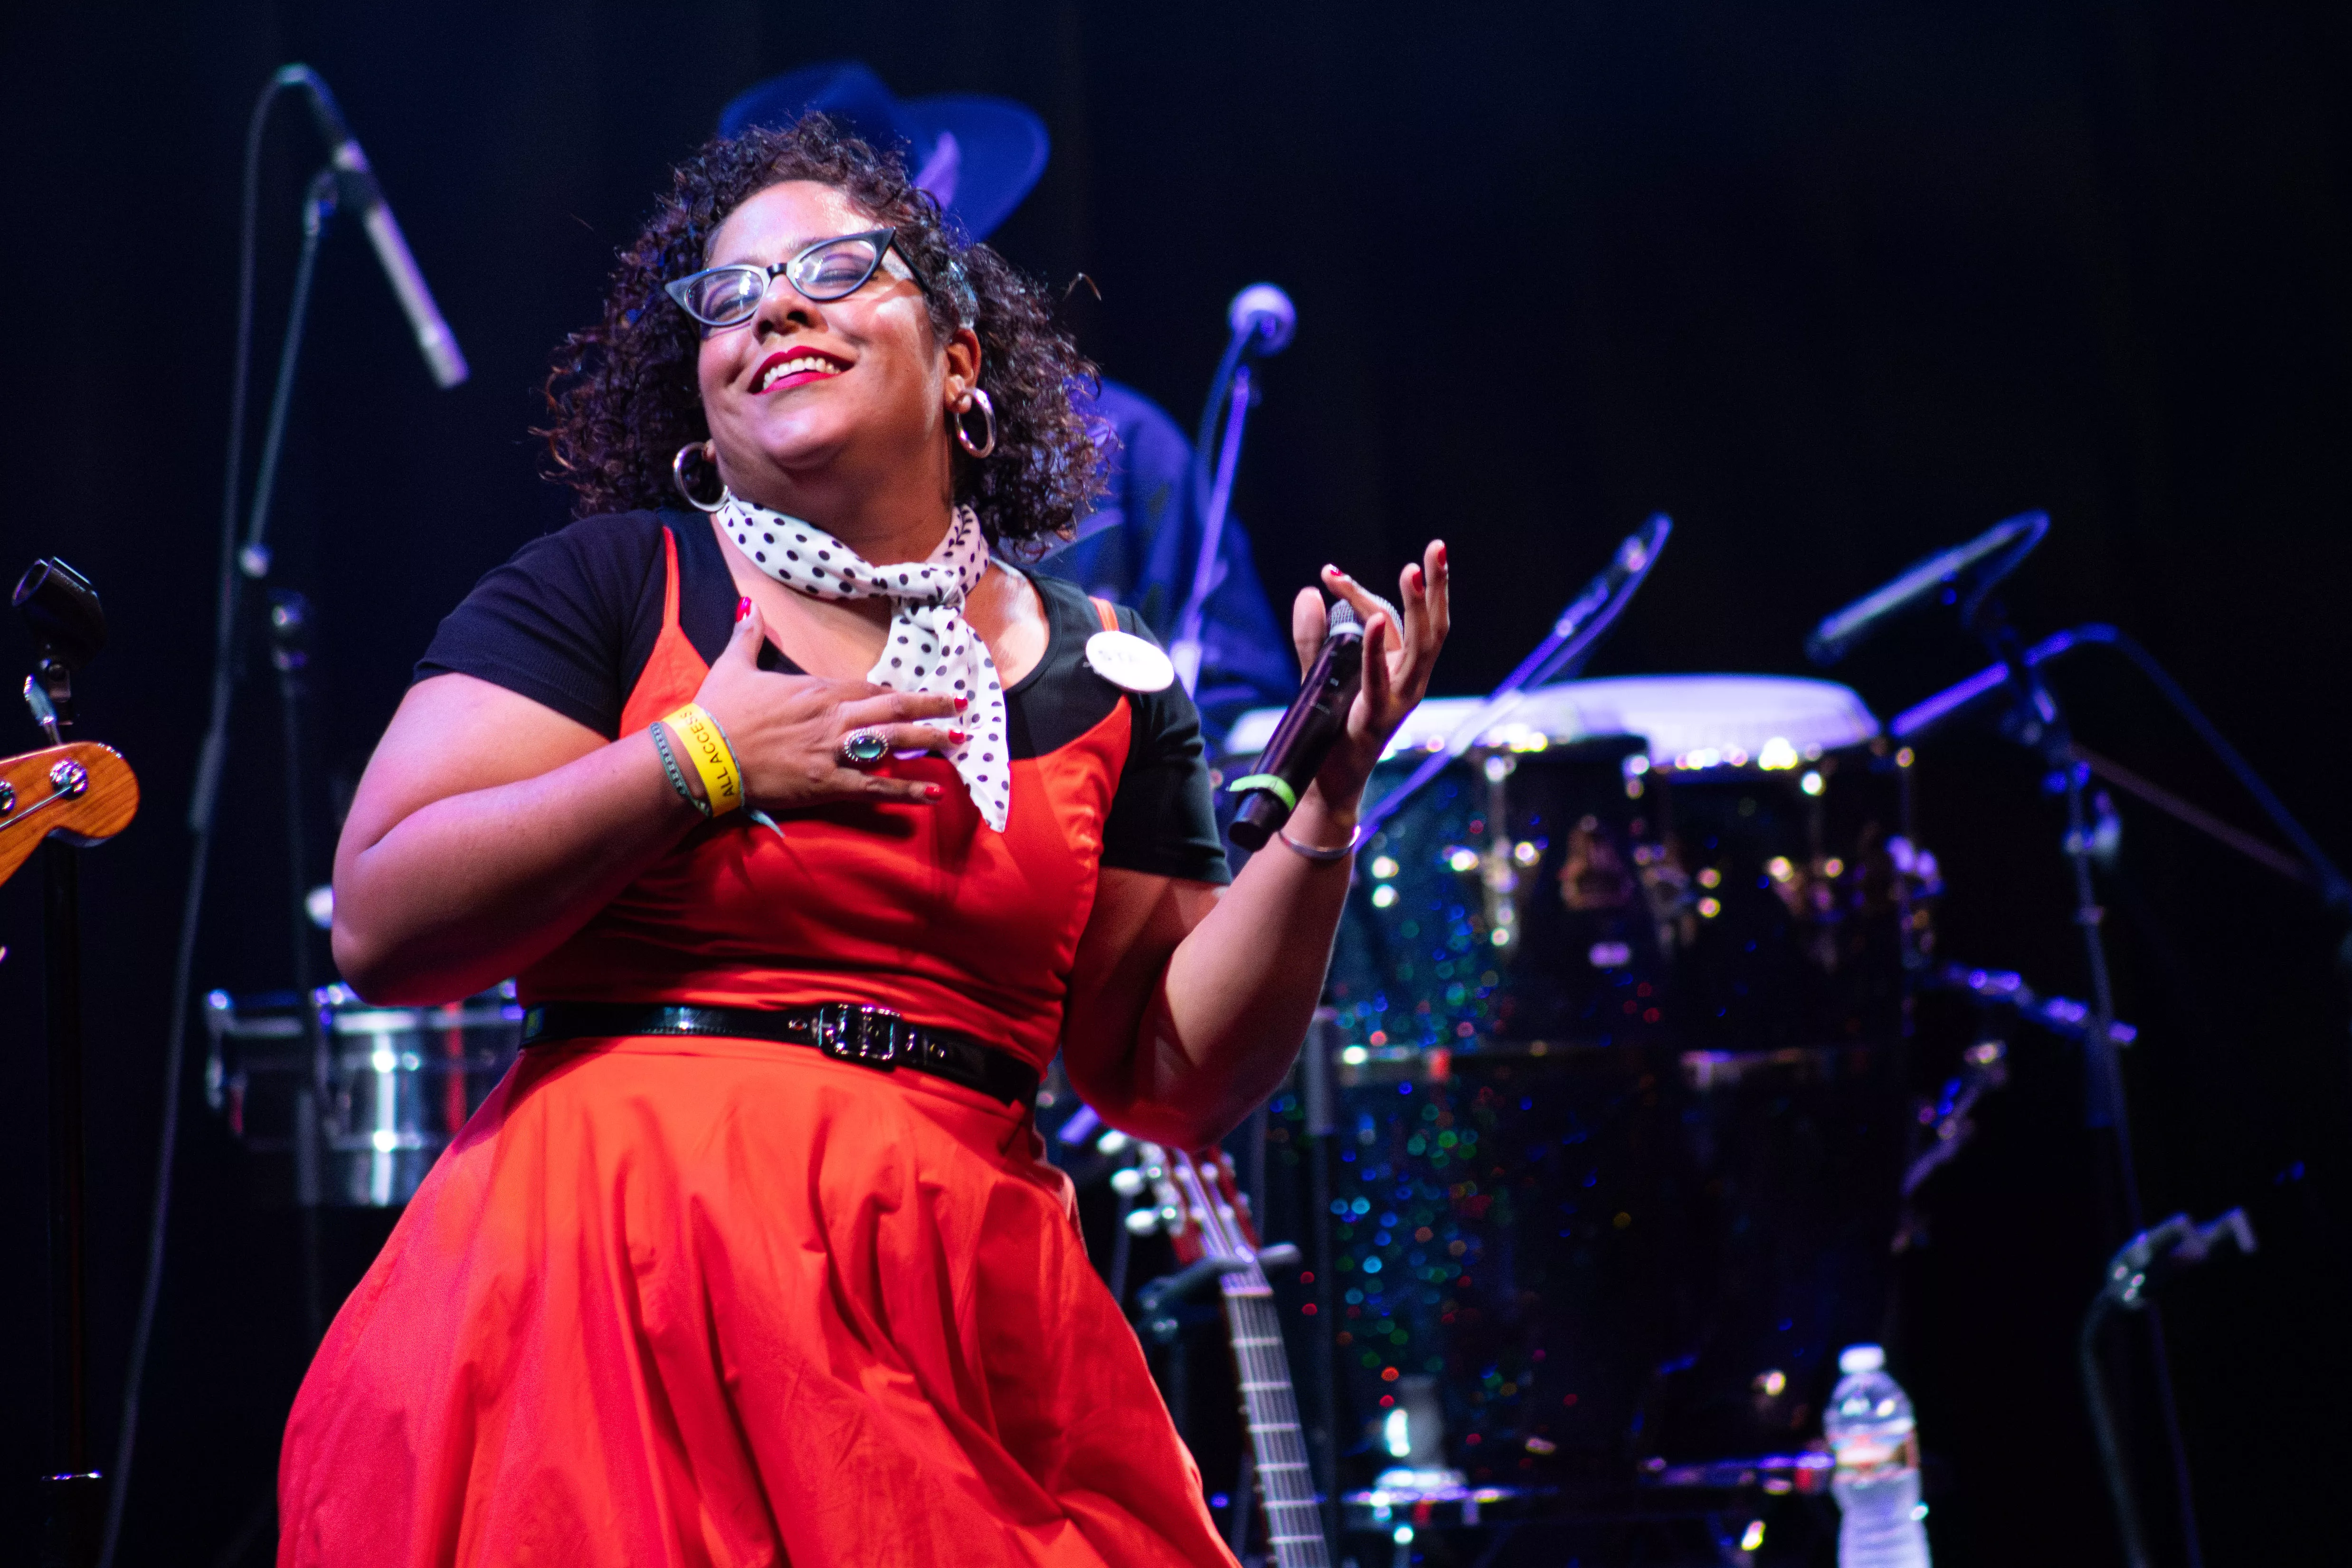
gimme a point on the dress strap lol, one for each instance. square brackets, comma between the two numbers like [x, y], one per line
[670, 584]
[674, 671]
[1106, 612]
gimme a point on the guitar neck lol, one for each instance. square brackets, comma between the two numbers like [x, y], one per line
[1286, 1481]
[1215, 1224]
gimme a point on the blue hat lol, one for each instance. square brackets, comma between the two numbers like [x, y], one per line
[978, 156]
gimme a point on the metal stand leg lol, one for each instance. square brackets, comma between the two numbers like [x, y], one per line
[1322, 1115]
[2038, 722]
[2103, 1423]
[75, 1488]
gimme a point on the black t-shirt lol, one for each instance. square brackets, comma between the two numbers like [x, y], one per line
[571, 621]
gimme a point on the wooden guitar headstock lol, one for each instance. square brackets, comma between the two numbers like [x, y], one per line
[84, 791]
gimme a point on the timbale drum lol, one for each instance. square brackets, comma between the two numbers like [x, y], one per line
[348, 1105]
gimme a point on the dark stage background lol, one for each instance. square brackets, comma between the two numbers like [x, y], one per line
[1832, 284]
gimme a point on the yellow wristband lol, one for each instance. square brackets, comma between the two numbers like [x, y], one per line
[713, 759]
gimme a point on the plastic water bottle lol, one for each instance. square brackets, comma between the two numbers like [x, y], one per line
[1870, 1425]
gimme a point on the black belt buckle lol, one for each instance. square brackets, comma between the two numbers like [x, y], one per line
[870, 1036]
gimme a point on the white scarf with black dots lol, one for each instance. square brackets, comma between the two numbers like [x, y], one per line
[930, 647]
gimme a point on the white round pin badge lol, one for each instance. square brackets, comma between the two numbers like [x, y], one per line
[1128, 661]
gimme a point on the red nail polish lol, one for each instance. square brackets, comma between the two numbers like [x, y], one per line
[958, 736]
[930, 791]
[742, 607]
[962, 703]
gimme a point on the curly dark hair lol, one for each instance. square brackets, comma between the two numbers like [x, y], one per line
[622, 398]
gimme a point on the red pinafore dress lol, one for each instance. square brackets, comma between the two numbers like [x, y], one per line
[679, 1302]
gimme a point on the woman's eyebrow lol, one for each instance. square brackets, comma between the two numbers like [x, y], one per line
[790, 250]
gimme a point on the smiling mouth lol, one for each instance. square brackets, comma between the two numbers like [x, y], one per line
[794, 370]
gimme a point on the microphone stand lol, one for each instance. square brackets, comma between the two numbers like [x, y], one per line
[1233, 379]
[2179, 1242]
[76, 1486]
[1559, 657]
[2036, 721]
[237, 562]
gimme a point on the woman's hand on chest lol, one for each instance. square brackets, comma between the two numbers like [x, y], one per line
[788, 732]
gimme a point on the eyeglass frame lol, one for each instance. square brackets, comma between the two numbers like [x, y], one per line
[770, 270]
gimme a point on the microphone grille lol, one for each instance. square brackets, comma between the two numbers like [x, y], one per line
[1342, 615]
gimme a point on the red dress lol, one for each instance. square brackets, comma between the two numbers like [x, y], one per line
[672, 1301]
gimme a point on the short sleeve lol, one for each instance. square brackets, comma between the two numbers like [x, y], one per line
[1162, 820]
[568, 622]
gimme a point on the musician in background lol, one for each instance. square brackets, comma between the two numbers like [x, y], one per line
[812, 828]
[978, 156]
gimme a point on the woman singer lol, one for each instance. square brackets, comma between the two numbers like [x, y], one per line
[812, 829]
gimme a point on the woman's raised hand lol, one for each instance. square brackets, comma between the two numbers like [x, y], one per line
[1397, 661]
[787, 730]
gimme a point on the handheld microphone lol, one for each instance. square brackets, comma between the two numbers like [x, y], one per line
[1985, 560]
[1263, 315]
[1300, 742]
[361, 192]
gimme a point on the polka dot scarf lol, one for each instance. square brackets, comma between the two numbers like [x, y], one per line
[931, 646]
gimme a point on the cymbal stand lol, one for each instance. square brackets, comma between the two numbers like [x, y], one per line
[2036, 720]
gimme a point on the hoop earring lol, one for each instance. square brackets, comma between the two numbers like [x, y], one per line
[987, 413]
[677, 477]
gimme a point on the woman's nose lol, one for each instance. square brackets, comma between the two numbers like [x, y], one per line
[785, 310]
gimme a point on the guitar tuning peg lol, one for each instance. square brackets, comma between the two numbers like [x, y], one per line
[1127, 1182]
[1142, 1221]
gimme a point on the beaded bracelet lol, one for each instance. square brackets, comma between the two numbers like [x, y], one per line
[669, 765]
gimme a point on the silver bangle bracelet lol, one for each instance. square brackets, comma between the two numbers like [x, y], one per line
[1321, 857]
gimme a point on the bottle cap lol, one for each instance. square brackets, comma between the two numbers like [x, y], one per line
[1861, 1358]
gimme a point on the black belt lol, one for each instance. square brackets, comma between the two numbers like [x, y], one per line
[869, 1036]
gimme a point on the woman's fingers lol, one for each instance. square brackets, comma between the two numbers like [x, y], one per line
[1379, 696]
[1308, 622]
[1427, 619]
[1365, 603]
[939, 738]
[896, 708]
[1437, 577]
[743, 642]
[881, 786]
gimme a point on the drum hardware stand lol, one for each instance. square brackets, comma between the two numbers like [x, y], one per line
[290, 655]
[2036, 720]
[2177, 1244]
[2315, 868]
[1322, 1120]
[68, 628]
[1559, 657]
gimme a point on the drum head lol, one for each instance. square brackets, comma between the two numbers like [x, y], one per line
[1688, 721]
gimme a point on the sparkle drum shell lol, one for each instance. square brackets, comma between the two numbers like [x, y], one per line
[1620, 997]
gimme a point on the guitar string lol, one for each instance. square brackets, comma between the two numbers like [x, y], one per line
[1279, 1444]
[1270, 1407]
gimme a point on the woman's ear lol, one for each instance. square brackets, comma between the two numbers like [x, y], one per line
[963, 364]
